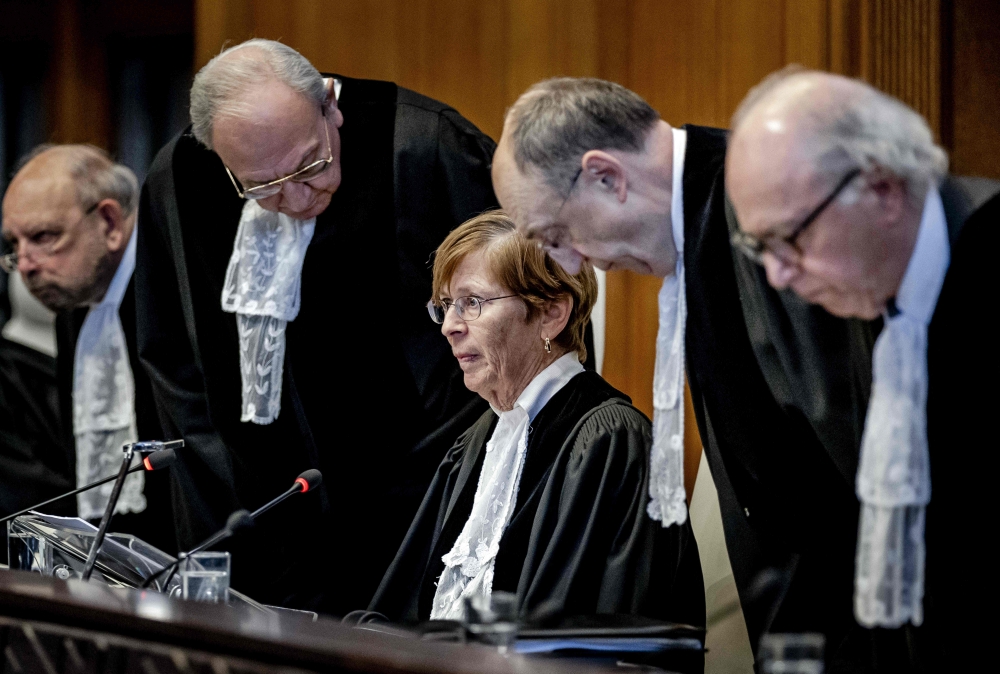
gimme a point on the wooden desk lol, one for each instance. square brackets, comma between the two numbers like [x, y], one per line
[49, 626]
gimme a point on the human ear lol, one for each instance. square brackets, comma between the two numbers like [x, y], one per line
[555, 316]
[890, 191]
[600, 168]
[111, 214]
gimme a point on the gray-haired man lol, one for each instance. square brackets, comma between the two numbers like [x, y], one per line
[282, 277]
[591, 171]
[842, 197]
[69, 218]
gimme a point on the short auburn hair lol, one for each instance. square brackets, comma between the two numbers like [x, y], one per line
[521, 267]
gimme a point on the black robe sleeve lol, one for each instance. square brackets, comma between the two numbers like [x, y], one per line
[593, 548]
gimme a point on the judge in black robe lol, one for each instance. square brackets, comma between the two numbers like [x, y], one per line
[371, 395]
[895, 271]
[578, 540]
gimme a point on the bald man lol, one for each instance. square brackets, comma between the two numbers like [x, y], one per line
[69, 220]
[842, 197]
[283, 272]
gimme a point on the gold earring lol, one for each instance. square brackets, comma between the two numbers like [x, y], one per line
[548, 345]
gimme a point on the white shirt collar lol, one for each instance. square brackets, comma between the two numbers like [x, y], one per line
[677, 197]
[119, 282]
[546, 384]
[921, 285]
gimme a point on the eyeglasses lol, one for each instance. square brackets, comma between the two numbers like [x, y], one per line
[303, 175]
[556, 237]
[784, 247]
[468, 308]
[40, 251]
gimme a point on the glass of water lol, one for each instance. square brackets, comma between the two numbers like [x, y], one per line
[205, 577]
[493, 619]
[791, 653]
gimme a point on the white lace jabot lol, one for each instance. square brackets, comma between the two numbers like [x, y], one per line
[668, 500]
[263, 288]
[104, 399]
[469, 565]
[894, 480]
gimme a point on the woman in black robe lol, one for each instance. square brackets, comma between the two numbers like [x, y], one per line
[545, 495]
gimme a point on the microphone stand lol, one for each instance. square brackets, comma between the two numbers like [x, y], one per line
[102, 530]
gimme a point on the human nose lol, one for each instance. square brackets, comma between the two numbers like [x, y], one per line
[779, 271]
[567, 258]
[453, 325]
[26, 261]
[295, 196]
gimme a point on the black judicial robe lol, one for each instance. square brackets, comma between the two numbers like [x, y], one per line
[371, 394]
[579, 541]
[780, 393]
[35, 463]
[963, 365]
[154, 524]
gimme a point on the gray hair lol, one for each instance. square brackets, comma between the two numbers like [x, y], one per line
[219, 89]
[94, 174]
[555, 122]
[858, 127]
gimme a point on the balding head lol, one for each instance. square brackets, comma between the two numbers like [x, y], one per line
[68, 215]
[802, 136]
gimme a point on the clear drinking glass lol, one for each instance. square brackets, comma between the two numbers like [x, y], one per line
[791, 653]
[205, 577]
[493, 619]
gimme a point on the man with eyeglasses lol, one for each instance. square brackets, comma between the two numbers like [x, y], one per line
[69, 220]
[842, 196]
[591, 171]
[283, 269]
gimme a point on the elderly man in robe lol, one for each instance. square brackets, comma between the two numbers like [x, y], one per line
[282, 270]
[591, 172]
[69, 218]
[842, 196]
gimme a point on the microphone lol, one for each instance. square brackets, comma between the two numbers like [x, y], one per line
[240, 519]
[116, 490]
[306, 481]
[236, 522]
[158, 459]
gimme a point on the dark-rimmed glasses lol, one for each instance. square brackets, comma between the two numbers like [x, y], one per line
[303, 175]
[469, 308]
[9, 261]
[779, 246]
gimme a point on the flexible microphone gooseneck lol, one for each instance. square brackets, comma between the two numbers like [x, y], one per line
[102, 530]
[239, 520]
[309, 479]
[155, 461]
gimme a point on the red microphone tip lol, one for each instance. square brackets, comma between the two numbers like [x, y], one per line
[305, 485]
[146, 463]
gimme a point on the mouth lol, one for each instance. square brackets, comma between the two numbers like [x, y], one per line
[466, 358]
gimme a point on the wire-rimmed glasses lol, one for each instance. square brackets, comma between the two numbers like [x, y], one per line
[303, 175]
[40, 251]
[469, 308]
